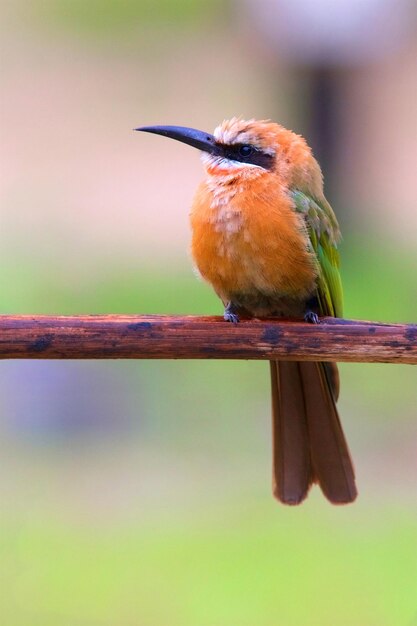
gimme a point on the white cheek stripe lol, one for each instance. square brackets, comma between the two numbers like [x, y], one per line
[222, 163]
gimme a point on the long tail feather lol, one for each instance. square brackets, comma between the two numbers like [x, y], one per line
[330, 455]
[291, 455]
[308, 440]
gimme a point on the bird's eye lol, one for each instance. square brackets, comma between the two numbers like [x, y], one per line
[245, 150]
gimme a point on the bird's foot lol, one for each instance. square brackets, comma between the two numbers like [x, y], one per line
[311, 317]
[230, 314]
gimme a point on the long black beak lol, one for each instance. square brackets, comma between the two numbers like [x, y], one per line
[190, 136]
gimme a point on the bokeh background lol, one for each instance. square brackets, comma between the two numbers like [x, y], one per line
[138, 493]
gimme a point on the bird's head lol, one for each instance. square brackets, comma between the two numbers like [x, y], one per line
[244, 148]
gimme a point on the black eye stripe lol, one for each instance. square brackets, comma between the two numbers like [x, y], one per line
[246, 150]
[245, 153]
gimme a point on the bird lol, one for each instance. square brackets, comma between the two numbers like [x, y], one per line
[266, 239]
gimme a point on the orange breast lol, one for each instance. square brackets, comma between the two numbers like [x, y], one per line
[247, 238]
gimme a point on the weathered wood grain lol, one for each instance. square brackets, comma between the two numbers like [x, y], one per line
[165, 337]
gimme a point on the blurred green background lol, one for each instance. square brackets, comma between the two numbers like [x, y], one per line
[138, 493]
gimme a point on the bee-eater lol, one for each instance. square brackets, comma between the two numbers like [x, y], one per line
[265, 238]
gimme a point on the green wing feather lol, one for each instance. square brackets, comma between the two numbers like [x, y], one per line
[323, 231]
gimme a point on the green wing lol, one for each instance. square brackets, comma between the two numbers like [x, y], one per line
[324, 234]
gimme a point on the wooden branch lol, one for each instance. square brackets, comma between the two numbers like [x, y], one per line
[164, 337]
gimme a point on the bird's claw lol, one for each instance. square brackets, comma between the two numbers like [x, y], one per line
[230, 314]
[311, 317]
[231, 317]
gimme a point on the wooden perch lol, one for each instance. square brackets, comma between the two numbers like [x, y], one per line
[167, 337]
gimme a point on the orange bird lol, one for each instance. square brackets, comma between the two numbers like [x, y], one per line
[265, 238]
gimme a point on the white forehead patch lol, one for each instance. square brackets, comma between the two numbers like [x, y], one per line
[225, 135]
[229, 136]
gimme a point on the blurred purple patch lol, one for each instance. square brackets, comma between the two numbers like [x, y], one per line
[48, 400]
